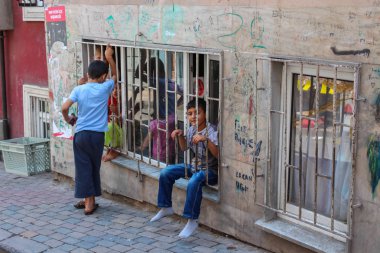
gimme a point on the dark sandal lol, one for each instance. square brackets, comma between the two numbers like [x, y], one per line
[79, 205]
[92, 211]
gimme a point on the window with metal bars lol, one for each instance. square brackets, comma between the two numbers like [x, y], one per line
[155, 86]
[312, 148]
[36, 112]
[30, 3]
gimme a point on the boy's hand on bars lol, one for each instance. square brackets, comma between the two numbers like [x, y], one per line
[199, 138]
[177, 132]
[109, 52]
[82, 80]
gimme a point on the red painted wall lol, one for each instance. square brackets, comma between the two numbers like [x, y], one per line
[25, 59]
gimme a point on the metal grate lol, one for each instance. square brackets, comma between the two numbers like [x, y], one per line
[40, 117]
[307, 124]
[158, 92]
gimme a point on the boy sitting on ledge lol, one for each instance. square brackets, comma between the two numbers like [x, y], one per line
[200, 139]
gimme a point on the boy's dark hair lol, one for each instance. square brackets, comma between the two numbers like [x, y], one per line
[97, 69]
[193, 104]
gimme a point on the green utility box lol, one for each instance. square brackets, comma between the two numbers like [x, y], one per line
[26, 156]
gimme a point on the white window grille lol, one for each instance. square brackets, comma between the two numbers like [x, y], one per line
[36, 111]
[142, 100]
[32, 10]
[311, 152]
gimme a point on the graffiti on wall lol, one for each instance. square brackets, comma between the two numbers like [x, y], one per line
[242, 181]
[373, 155]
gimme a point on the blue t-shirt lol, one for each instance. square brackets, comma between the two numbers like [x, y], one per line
[92, 99]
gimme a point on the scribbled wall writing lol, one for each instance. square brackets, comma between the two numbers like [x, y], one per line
[242, 136]
[242, 181]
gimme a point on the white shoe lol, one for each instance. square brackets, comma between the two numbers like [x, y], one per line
[166, 211]
[189, 229]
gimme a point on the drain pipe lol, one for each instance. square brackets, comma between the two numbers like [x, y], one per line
[4, 121]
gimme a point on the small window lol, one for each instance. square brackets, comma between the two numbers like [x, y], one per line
[36, 111]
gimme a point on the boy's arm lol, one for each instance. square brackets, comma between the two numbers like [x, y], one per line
[210, 145]
[109, 58]
[181, 140]
[65, 110]
[145, 143]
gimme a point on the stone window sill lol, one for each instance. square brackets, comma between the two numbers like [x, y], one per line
[154, 172]
[307, 238]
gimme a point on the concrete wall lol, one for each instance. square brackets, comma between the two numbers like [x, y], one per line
[291, 28]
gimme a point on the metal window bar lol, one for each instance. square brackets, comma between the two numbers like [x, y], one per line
[269, 151]
[157, 80]
[141, 63]
[175, 105]
[186, 100]
[255, 88]
[196, 107]
[285, 131]
[355, 68]
[206, 95]
[300, 153]
[332, 193]
[355, 99]
[149, 105]
[316, 127]
[166, 108]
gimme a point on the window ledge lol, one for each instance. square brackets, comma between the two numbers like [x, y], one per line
[153, 172]
[302, 236]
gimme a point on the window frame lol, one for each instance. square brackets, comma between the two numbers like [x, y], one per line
[82, 48]
[274, 183]
[291, 208]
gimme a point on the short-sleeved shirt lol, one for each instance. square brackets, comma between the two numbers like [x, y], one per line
[210, 131]
[161, 136]
[92, 99]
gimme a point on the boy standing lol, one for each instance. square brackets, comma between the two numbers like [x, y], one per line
[92, 99]
[202, 139]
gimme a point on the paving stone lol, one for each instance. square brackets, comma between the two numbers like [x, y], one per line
[101, 249]
[66, 247]
[46, 221]
[145, 240]
[21, 244]
[80, 251]
[70, 240]
[53, 243]
[86, 245]
[178, 249]
[121, 248]
[162, 245]
[4, 234]
[40, 238]
[105, 243]
[57, 236]
[159, 251]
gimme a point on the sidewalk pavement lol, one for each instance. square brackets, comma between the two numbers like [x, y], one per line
[37, 215]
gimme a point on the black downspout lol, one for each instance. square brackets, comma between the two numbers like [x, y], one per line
[3, 86]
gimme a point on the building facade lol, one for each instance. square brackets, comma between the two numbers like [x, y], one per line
[25, 64]
[293, 89]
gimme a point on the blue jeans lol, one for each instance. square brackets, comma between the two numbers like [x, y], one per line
[194, 188]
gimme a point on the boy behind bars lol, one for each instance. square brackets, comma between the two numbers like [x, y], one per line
[203, 137]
